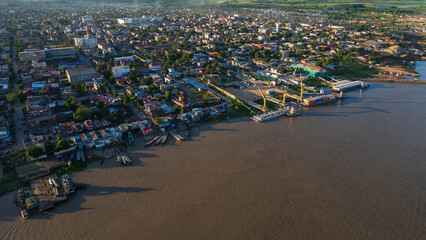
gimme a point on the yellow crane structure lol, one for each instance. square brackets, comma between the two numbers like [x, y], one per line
[301, 88]
[264, 99]
[298, 98]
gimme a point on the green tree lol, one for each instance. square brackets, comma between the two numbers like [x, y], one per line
[24, 110]
[48, 146]
[11, 98]
[62, 145]
[83, 113]
[35, 152]
[58, 136]
[168, 96]
[176, 109]
[146, 81]
[72, 103]
[21, 96]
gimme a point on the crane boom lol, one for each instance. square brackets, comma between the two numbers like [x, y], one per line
[301, 88]
[264, 98]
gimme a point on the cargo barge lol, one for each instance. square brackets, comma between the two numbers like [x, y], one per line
[323, 99]
[43, 193]
[269, 115]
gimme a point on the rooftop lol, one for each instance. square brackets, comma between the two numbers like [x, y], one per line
[80, 72]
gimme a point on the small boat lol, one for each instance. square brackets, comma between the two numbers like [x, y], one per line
[123, 159]
[126, 158]
[159, 140]
[177, 136]
[150, 142]
[163, 141]
[292, 112]
[24, 213]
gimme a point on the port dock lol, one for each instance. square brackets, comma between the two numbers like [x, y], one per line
[47, 192]
[43, 193]
[269, 115]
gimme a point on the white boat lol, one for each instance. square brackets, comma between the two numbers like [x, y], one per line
[24, 213]
[177, 136]
[292, 112]
[163, 141]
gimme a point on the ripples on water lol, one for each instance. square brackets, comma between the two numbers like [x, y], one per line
[351, 170]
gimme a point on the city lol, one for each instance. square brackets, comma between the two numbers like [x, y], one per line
[83, 83]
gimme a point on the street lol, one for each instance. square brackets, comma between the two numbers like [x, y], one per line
[18, 116]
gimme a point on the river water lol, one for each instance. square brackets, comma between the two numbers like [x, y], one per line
[350, 170]
[421, 69]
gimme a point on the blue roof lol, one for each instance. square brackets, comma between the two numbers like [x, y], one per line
[195, 84]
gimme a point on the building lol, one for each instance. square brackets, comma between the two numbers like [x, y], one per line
[47, 54]
[86, 19]
[120, 71]
[81, 75]
[86, 42]
[277, 27]
[32, 55]
[137, 21]
[313, 70]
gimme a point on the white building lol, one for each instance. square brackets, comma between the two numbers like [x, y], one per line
[86, 19]
[86, 42]
[277, 27]
[120, 71]
[136, 21]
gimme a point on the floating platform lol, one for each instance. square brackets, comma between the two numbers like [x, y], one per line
[47, 191]
[269, 115]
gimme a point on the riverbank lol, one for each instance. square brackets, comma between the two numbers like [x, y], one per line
[388, 80]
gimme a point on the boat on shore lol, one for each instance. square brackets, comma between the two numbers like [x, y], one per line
[159, 140]
[24, 213]
[164, 139]
[123, 159]
[177, 136]
[150, 142]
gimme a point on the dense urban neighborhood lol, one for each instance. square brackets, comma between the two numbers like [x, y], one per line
[75, 80]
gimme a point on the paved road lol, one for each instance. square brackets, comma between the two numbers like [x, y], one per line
[18, 116]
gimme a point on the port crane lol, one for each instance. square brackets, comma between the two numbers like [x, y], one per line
[298, 98]
[264, 99]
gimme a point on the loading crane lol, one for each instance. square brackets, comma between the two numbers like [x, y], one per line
[264, 99]
[298, 98]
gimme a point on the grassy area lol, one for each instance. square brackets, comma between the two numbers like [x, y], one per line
[403, 4]
[355, 71]
[205, 95]
[269, 104]
[9, 182]
[206, 99]
[314, 82]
